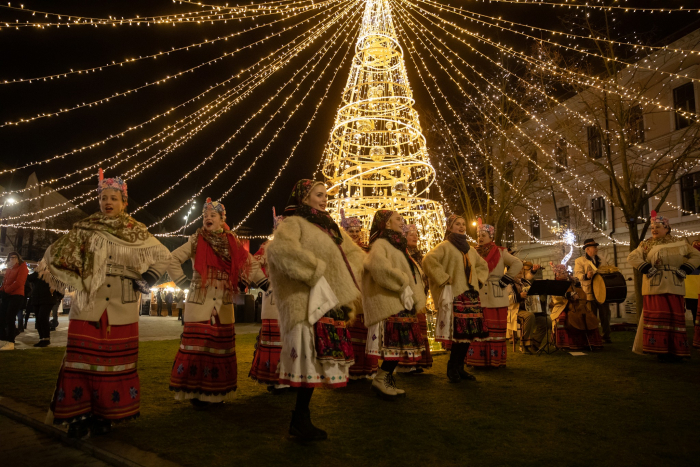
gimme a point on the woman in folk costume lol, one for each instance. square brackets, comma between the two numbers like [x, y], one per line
[269, 346]
[366, 365]
[313, 267]
[392, 292]
[664, 260]
[353, 226]
[575, 327]
[455, 273]
[491, 351]
[426, 360]
[205, 368]
[108, 259]
[696, 315]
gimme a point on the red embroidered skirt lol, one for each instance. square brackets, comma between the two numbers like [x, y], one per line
[574, 339]
[365, 366]
[426, 360]
[267, 353]
[98, 376]
[402, 339]
[205, 367]
[664, 325]
[492, 349]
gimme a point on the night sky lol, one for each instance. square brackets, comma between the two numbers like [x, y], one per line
[32, 52]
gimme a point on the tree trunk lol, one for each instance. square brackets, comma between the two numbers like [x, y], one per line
[634, 243]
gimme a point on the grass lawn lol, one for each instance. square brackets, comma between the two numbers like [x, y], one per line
[609, 408]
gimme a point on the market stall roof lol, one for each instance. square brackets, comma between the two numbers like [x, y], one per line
[165, 285]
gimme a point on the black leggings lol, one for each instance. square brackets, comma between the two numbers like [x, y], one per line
[303, 399]
[11, 304]
[42, 314]
[389, 366]
[459, 353]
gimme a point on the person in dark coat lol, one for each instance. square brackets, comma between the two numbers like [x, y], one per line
[169, 303]
[42, 301]
[159, 300]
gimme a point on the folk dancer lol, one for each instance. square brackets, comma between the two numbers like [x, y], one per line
[664, 261]
[694, 309]
[575, 327]
[455, 274]
[205, 368]
[527, 308]
[491, 350]
[426, 360]
[108, 259]
[366, 365]
[585, 267]
[314, 271]
[392, 292]
[269, 344]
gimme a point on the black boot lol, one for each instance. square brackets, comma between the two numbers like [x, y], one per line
[200, 405]
[453, 372]
[302, 428]
[100, 427]
[79, 429]
[464, 374]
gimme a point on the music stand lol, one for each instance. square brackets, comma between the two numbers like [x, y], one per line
[548, 287]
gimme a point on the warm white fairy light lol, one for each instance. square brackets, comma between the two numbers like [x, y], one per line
[588, 5]
[143, 86]
[567, 34]
[251, 140]
[138, 169]
[376, 156]
[257, 79]
[224, 14]
[154, 56]
[185, 128]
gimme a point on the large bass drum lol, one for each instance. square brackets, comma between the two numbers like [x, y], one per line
[609, 287]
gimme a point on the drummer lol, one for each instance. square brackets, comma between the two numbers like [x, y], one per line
[585, 267]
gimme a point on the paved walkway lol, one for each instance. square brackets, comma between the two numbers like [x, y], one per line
[151, 328]
[25, 440]
[23, 446]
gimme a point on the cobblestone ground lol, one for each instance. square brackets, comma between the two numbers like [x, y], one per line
[23, 446]
[151, 328]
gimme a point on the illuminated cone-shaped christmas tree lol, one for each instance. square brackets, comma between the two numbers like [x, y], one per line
[376, 156]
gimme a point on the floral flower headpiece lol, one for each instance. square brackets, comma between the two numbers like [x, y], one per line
[347, 222]
[481, 227]
[115, 183]
[656, 219]
[216, 206]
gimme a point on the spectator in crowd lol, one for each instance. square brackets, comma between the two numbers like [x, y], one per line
[258, 307]
[169, 302]
[54, 312]
[43, 299]
[159, 300]
[180, 305]
[12, 296]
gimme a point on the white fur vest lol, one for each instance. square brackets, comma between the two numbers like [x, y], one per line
[298, 256]
[445, 262]
[387, 274]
